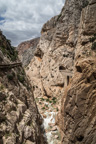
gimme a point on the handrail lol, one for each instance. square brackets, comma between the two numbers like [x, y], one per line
[12, 65]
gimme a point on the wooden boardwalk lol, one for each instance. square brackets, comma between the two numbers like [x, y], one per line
[12, 65]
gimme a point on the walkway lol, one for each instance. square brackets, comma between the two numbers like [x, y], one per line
[12, 65]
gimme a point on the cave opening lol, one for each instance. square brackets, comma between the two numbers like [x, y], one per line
[39, 53]
[61, 68]
[67, 80]
[80, 138]
[79, 69]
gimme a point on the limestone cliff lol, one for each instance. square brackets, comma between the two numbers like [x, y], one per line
[52, 66]
[26, 50]
[19, 117]
[78, 104]
[64, 66]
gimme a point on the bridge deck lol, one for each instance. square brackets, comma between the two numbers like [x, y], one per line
[66, 73]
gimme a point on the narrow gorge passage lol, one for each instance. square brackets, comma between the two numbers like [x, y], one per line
[64, 67]
[50, 96]
[48, 108]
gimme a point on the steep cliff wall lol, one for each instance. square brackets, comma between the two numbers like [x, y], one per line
[65, 65]
[79, 102]
[19, 117]
[52, 66]
[26, 50]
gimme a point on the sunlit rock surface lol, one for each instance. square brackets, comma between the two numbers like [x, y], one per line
[26, 50]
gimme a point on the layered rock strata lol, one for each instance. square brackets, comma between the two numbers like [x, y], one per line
[52, 66]
[26, 50]
[19, 117]
[78, 103]
[64, 65]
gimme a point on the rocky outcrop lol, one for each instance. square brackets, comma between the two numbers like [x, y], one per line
[20, 121]
[26, 50]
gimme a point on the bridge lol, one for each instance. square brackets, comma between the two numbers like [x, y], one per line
[67, 76]
[66, 72]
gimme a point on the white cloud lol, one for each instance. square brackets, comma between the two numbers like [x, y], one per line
[24, 18]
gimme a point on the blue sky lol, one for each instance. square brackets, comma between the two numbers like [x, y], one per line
[2, 18]
[21, 20]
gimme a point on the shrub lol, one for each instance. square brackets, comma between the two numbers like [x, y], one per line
[37, 100]
[1, 87]
[23, 72]
[9, 41]
[13, 73]
[43, 108]
[47, 100]
[54, 101]
[93, 46]
[85, 4]
[3, 50]
[58, 17]
[46, 105]
[93, 38]
[50, 101]
[21, 78]
[42, 99]
[14, 108]
[7, 135]
[54, 98]
[8, 50]
[2, 118]
[57, 109]
[14, 56]
[10, 76]
[28, 87]
[10, 53]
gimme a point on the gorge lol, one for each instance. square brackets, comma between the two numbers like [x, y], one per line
[52, 99]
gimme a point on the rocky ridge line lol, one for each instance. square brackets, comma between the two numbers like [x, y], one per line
[26, 50]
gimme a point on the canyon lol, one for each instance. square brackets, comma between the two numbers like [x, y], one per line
[52, 99]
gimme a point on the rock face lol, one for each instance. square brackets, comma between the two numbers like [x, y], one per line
[26, 50]
[19, 117]
[52, 66]
[78, 104]
[65, 65]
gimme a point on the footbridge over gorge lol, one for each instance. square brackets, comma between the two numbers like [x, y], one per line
[67, 76]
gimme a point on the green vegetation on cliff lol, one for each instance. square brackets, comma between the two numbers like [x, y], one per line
[6, 48]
